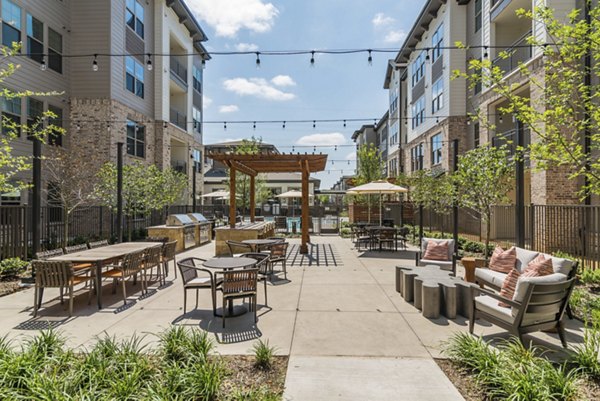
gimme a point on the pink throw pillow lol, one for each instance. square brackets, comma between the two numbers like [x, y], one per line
[540, 266]
[503, 261]
[508, 286]
[436, 250]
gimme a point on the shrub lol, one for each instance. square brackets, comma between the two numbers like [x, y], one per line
[586, 356]
[590, 276]
[12, 267]
[263, 354]
[345, 232]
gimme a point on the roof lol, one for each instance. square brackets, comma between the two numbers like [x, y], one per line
[361, 130]
[271, 162]
[187, 18]
[382, 120]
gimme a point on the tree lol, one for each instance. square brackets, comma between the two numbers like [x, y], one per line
[568, 110]
[145, 188]
[71, 179]
[483, 179]
[10, 164]
[369, 168]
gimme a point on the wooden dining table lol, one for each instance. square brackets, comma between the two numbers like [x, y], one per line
[102, 256]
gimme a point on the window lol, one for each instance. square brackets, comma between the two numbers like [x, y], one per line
[134, 17]
[477, 87]
[418, 68]
[197, 158]
[418, 112]
[393, 100]
[437, 42]
[436, 149]
[55, 137]
[197, 118]
[55, 50]
[11, 111]
[416, 157]
[35, 111]
[35, 39]
[394, 128]
[11, 23]
[476, 135]
[478, 15]
[437, 94]
[197, 79]
[134, 76]
[136, 139]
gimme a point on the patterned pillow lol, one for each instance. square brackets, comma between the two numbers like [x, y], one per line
[540, 266]
[509, 285]
[436, 250]
[503, 261]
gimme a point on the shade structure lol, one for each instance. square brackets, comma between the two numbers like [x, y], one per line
[380, 187]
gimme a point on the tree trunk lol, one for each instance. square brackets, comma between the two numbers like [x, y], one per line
[488, 229]
[65, 222]
[129, 224]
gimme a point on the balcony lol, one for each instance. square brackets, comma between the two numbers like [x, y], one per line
[177, 118]
[179, 166]
[519, 52]
[178, 72]
[508, 139]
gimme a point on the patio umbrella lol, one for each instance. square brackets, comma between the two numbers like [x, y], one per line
[377, 187]
[291, 194]
[216, 194]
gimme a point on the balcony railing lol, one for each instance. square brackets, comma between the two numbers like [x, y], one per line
[179, 166]
[177, 118]
[178, 71]
[509, 138]
[518, 53]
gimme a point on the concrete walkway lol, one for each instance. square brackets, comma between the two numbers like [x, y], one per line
[349, 334]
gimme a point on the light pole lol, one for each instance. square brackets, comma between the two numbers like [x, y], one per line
[193, 183]
[119, 191]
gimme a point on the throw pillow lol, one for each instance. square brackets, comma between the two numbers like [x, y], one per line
[540, 266]
[509, 285]
[503, 261]
[436, 250]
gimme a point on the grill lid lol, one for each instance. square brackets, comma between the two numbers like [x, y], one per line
[197, 217]
[178, 220]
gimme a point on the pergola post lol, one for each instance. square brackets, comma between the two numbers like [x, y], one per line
[232, 197]
[252, 199]
[305, 211]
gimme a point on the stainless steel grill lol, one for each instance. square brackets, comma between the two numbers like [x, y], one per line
[179, 220]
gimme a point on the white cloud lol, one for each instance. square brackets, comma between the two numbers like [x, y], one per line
[283, 80]
[351, 156]
[395, 36]
[324, 139]
[246, 47]
[380, 19]
[228, 17]
[229, 108]
[206, 101]
[257, 87]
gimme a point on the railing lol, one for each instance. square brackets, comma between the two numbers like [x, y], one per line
[518, 53]
[178, 71]
[177, 118]
[179, 166]
[508, 139]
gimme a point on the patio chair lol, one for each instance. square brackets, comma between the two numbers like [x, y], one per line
[278, 255]
[55, 274]
[239, 284]
[535, 306]
[363, 236]
[43, 255]
[386, 238]
[190, 269]
[265, 248]
[152, 259]
[98, 244]
[130, 266]
[76, 248]
[281, 224]
[237, 248]
[449, 262]
[169, 249]
[263, 266]
[402, 236]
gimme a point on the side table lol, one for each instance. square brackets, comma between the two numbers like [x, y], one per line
[470, 264]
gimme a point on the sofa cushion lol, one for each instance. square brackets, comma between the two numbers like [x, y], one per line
[508, 287]
[524, 256]
[485, 275]
[540, 266]
[503, 261]
[490, 305]
[523, 283]
[450, 243]
[560, 265]
[436, 251]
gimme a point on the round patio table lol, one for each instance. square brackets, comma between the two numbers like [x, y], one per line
[229, 263]
[255, 243]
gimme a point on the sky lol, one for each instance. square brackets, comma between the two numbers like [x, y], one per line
[287, 88]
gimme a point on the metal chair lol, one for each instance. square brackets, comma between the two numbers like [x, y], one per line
[278, 255]
[130, 266]
[97, 244]
[402, 236]
[238, 284]
[237, 248]
[190, 269]
[387, 237]
[169, 249]
[263, 266]
[542, 308]
[55, 274]
[152, 259]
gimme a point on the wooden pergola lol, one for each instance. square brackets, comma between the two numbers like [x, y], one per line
[252, 165]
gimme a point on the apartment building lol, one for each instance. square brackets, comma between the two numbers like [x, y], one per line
[139, 83]
[382, 134]
[396, 87]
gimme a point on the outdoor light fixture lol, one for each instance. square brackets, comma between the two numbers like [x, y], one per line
[95, 63]
[78, 127]
[165, 125]
[468, 121]
[203, 63]
[43, 65]
[501, 120]
[149, 62]
[427, 55]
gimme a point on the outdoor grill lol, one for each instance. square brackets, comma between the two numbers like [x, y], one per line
[179, 220]
[205, 226]
[188, 226]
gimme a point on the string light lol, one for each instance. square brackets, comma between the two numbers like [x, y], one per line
[427, 54]
[224, 125]
[344, 123]
[283, 125]
[370, 59]
[312, 58]
[485, 54]
[43, 66]
[95, 63]
[165, 125]
[501, 120]
[149, 62]
[254, 125]
[314, 124]
[257, 59]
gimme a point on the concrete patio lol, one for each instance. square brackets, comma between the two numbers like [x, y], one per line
[349, 334]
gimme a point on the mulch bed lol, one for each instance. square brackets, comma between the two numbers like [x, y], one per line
[243, 374]
[9, 285]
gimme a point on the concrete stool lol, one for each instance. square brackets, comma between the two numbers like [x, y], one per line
[418, 292]
[448, 298]
[430, 299]
[408, 285]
